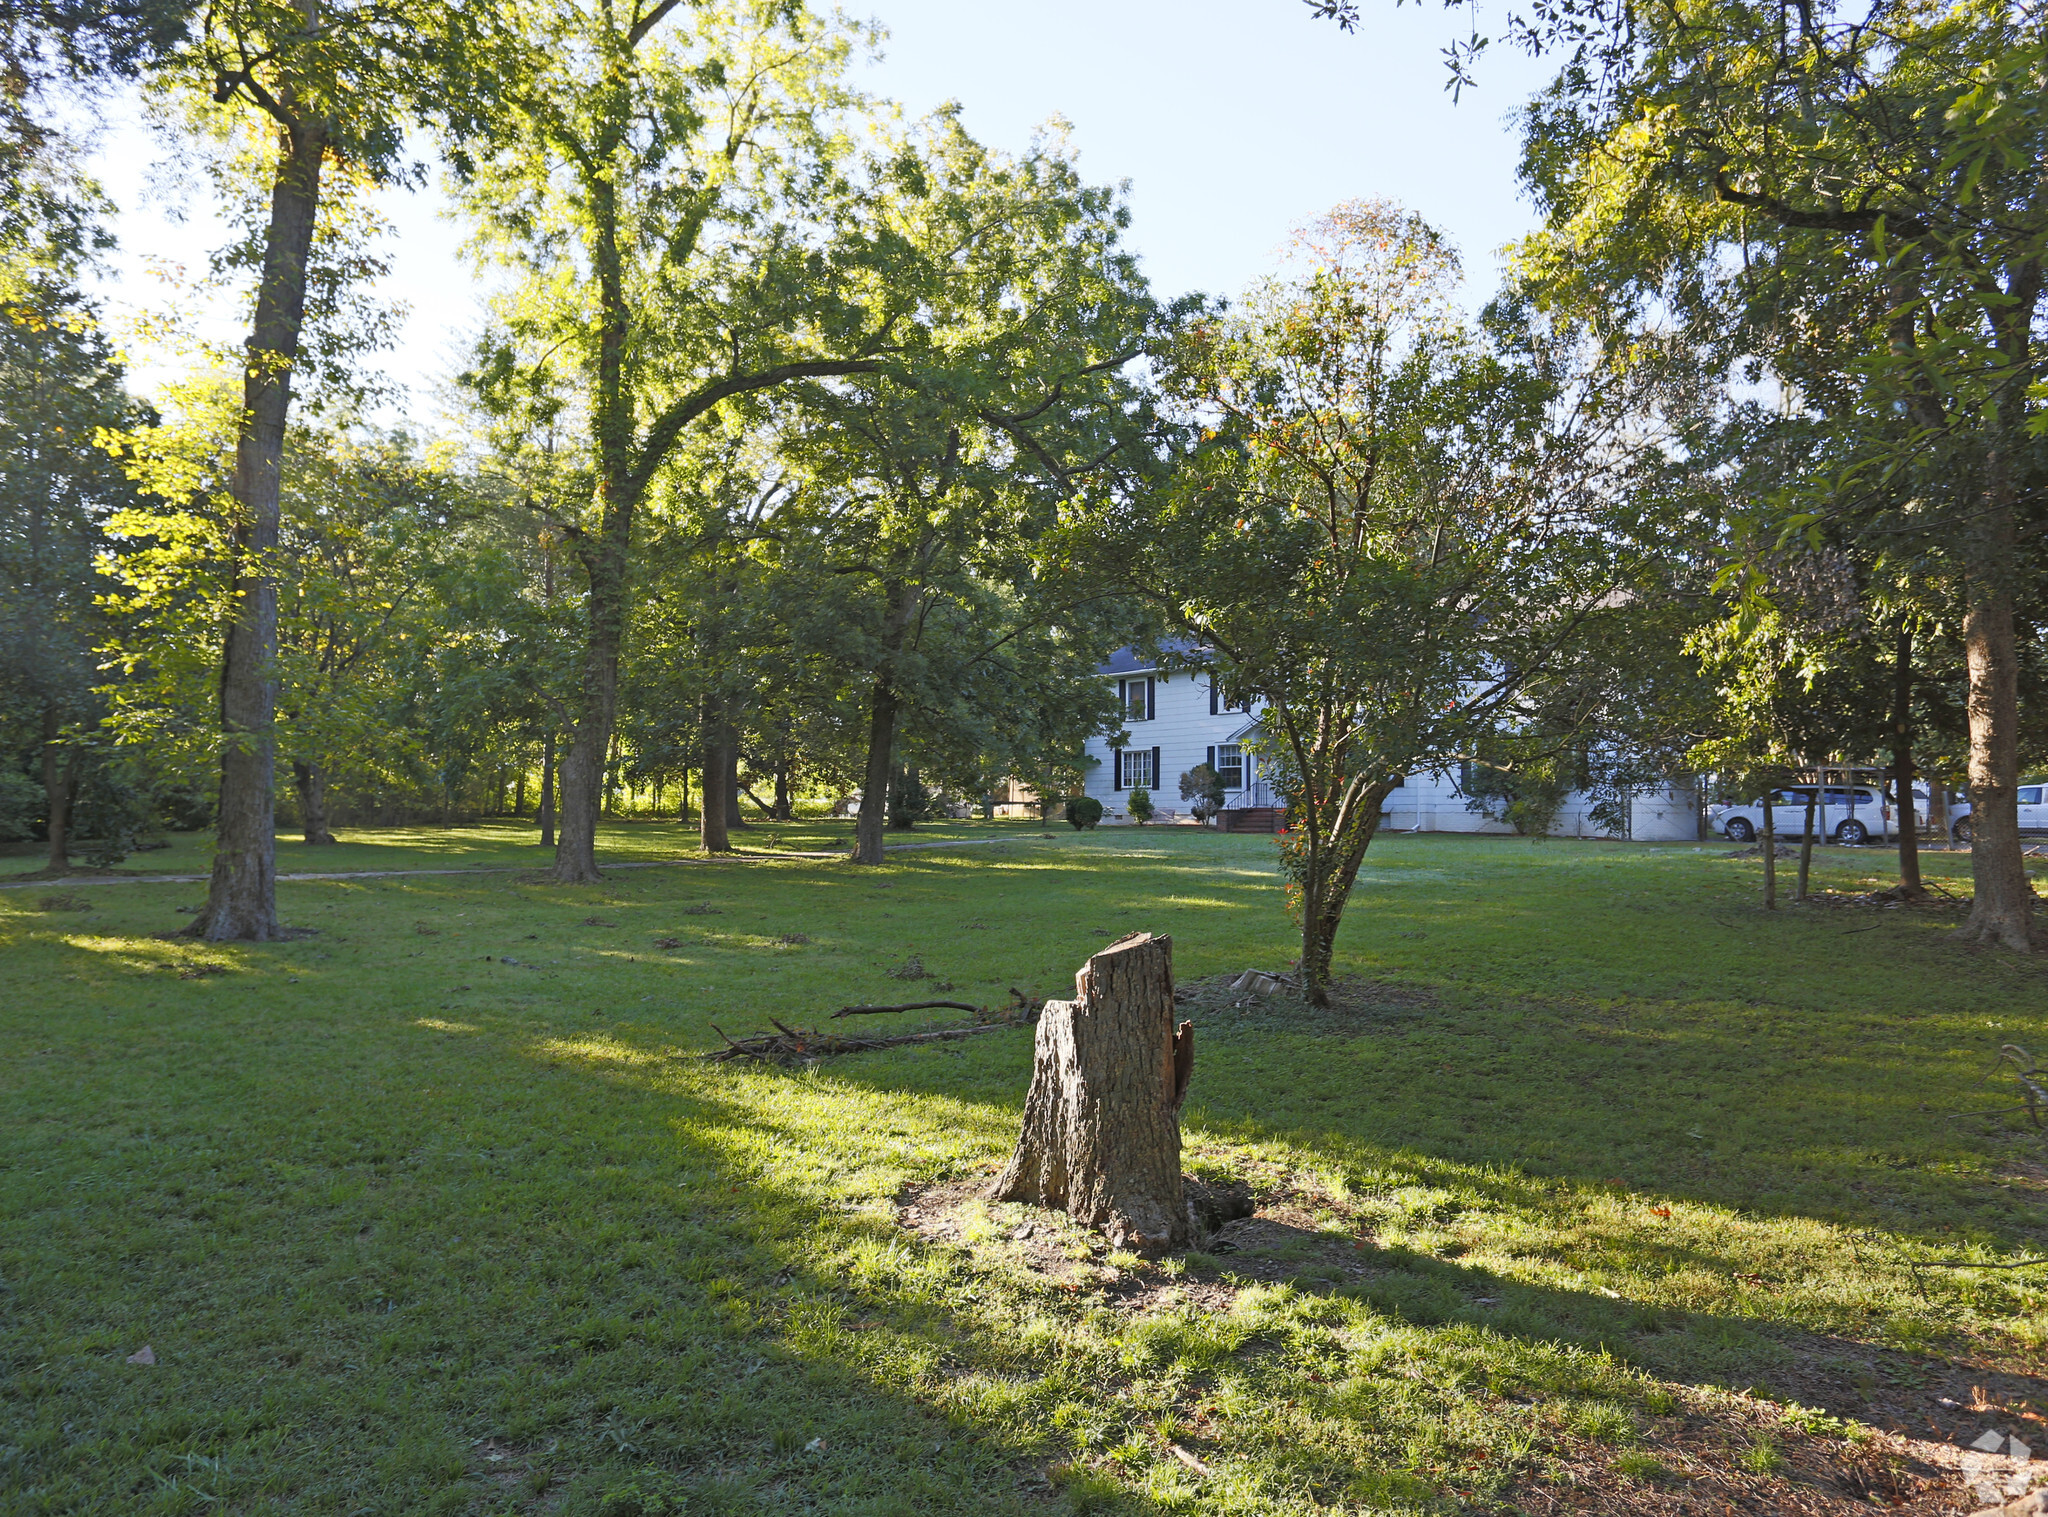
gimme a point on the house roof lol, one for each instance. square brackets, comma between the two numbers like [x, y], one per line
[1131, 661]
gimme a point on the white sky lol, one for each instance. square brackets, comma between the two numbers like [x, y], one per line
[1232, 120]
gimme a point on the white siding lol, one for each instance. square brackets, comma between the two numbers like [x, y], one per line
[1183, 730]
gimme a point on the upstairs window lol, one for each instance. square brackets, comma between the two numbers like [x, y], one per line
[1140, 701]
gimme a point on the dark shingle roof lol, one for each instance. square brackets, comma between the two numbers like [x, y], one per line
[1131, 661]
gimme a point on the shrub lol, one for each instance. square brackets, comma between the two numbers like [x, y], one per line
[1202, 788]
[1140, 805]
[1083, 811]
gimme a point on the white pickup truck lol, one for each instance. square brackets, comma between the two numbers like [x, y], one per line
[1845, 813]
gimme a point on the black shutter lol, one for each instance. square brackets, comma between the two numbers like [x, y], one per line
[1123, 697]
[1212, 758]
[1212, 697]
[1151, 707]
[1155, 769]
[1116, 769]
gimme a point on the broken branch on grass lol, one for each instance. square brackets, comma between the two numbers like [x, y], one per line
[870, 1011]
[789, 1045]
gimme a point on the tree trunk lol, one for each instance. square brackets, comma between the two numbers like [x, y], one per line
[58, 787]
[241, 901]
[2004, 907]
[519, 792]
[784, 808]
[1902, 766]
[547, 790]
[1327, 890]
[1806, 845]
[1101, 1132]
[874, 793]
[734, 821]
[1770, 852]
[711, 818]
[311, 781]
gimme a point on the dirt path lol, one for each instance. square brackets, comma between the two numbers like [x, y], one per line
[737, 856]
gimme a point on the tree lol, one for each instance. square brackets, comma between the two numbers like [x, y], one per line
[1861, 188]
[329, 85]
[60, 388]
[664, 182]
[1398, 532]
[926, 487]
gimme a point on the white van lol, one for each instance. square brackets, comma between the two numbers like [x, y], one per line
[2033, 809]
[1845, 813]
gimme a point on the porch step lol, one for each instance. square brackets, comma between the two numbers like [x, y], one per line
[1254, 819]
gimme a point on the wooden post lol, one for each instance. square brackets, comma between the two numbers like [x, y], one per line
[1101, 1138]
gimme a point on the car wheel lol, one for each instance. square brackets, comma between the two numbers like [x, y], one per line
[1852, 832]
[1961, 832]
[1739, 830]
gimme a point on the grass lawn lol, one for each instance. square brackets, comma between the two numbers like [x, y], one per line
[1601, 1192]
[493, 845]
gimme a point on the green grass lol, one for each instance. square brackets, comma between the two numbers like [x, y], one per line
[503, 845]
[411, 1228]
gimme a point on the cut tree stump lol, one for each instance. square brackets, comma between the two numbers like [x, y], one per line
[1101, 1137]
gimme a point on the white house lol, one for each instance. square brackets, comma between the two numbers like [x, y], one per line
[1174, 721]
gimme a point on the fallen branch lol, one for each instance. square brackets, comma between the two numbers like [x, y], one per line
[870, 1011]
[790, 1045]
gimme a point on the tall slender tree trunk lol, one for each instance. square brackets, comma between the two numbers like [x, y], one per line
[311, 781]
[873, 816]
[784, 807]
[711, 809]
[1770, 852]
[59, 785]
[2004, 907]
[1902, 765]
[735, 820]
[1806, 846]
[519, 791]
[547, 790]
[604, 554]
[241, 901]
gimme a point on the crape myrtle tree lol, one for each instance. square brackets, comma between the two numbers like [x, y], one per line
[1399, 531]
[327, 89]
[670, 187]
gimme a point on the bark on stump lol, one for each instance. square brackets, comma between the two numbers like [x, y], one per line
[1101, 1138]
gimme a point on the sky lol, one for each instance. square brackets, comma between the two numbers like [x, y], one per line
[1232, 122]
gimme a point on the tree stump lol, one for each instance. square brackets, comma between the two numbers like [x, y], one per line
[1101, 1137]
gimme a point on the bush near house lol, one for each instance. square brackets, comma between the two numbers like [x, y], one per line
[1083, 811]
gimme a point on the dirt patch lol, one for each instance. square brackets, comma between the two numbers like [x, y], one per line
[1053, 1247]
[1732, 1454]
[518, 1473]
